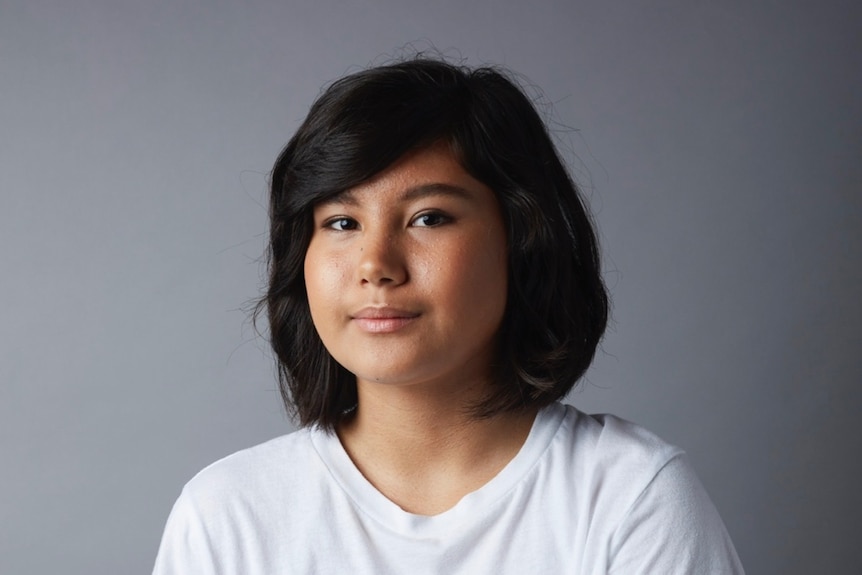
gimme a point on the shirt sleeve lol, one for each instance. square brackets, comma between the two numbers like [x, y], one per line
[186, 546]
[673, 528]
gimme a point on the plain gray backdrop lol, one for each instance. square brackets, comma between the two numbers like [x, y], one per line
[719, 144]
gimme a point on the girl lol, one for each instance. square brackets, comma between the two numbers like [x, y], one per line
[434, 291]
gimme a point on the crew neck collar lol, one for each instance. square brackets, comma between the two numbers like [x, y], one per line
[473, 505]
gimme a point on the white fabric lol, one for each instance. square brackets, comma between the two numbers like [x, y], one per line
[585, 494]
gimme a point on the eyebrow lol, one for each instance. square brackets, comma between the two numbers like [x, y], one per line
[412, 193]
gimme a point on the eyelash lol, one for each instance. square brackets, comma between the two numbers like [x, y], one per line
[438, 217]
[332, 222]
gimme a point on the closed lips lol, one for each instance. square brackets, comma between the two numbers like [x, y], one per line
[383, 313]
[383, 320]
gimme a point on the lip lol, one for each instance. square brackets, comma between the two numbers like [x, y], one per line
[383, 319]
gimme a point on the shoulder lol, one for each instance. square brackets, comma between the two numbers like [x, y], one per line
[276, 473]
[252, 464]
[611, 450]
[228, 513]
[644, 501]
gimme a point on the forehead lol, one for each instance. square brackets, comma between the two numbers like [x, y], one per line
[432, 171]
[354, 196]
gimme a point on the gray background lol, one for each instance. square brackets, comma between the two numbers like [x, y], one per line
[719, 144]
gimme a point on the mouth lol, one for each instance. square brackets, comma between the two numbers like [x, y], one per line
[383, 319]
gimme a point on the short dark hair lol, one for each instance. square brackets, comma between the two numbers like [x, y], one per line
[557, 305]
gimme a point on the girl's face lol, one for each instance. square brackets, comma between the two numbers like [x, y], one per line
[406, 274]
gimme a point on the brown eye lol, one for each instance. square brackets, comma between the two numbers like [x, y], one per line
[341, 224]
[430, 219]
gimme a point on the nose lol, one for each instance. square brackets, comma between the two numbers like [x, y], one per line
[381, 259]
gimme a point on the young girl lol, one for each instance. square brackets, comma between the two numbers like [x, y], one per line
[434, 291]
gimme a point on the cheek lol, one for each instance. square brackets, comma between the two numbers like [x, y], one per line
[321, 280]
[495, 264]
[492, 284]
[477, 280]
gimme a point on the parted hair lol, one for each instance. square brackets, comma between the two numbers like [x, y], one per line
[557, 305]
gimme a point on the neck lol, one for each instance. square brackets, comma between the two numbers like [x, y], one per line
[425, 451]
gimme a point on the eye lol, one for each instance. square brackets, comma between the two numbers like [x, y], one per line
[430, 219]
[341, 224]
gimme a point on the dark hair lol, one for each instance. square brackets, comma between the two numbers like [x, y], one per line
[557, 305]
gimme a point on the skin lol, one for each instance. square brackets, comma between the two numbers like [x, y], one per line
[406, 280]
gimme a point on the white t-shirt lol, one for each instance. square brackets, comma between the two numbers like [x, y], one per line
[584, 495]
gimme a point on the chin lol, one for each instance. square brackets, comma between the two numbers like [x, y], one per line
[390, 377]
